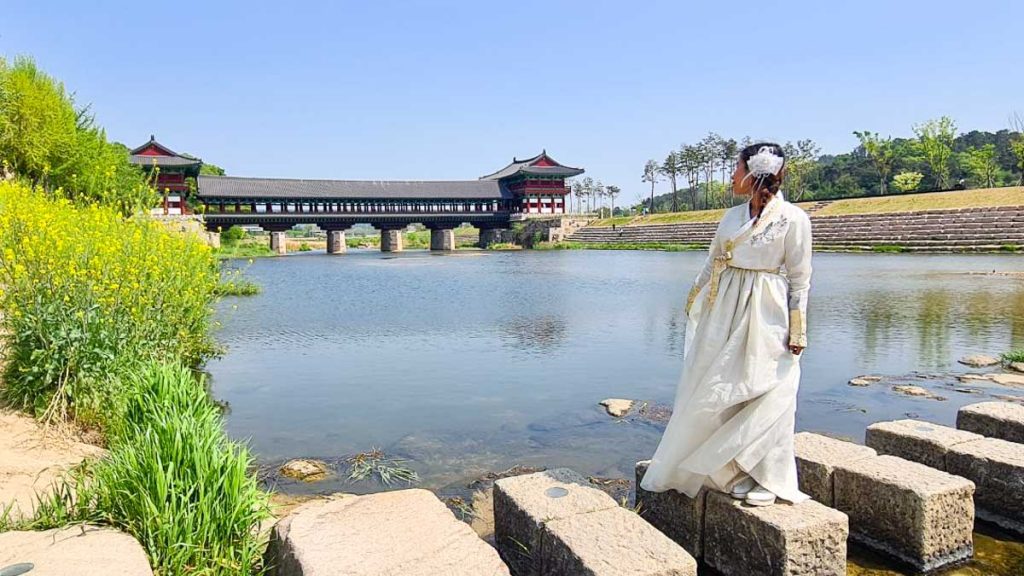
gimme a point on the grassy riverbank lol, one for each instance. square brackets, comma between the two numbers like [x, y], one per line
[664, 247]
[102, 319]
[980, 198]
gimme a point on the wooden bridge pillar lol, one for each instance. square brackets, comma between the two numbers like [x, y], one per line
[391, 239]
[442, 239]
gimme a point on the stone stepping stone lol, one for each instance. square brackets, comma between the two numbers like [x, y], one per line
[523, 504]
[610, 542]
[78, 550]
[1003, 420]
[997, 469]
[678, 516]
[407, 532]
[778, 540]
[915, 514]
[916, 440]
[816, 459]
[553, 523]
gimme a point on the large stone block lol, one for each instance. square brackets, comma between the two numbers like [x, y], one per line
[523, 504]
[777, 540]
[610, 542]
[917, 441]
[1003, 420]
[405, 532]
[678, 516]
[916, 514]
[442, 239]
[997, 469]
[78, 550]
[816, 459]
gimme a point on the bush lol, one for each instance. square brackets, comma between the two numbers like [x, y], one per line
[1014, 356]
[86, 295]
[233, 234]
[171, 479]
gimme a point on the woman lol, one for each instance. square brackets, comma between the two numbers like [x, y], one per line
[732, 425]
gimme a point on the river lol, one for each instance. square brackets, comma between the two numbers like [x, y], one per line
[475, 361]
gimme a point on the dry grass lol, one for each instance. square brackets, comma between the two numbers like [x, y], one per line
[982, 197]
[664, 218]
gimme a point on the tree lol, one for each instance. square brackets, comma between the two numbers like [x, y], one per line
[588, 190]
[1017, 145]
[651, 175]
[981, 164]
[882, 154]
[612, 191]
[729, 152]
[49, 142]
[689, 157]
[576, 189]
[907, 181]
[671, 167]
[598, 193]
[800, 159]
[935, 143]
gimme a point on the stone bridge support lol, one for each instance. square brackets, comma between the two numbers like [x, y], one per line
[442, 239]
[278, 242]
[391, 239]
[489, 236]
[336, 241]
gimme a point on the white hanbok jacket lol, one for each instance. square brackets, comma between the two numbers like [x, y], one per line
[735, 405]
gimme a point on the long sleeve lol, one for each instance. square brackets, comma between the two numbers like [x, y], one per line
[798, 271]
[704, 276]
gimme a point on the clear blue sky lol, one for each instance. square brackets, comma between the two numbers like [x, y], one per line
[452, 90]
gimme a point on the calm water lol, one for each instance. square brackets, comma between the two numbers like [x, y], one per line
[474, 362]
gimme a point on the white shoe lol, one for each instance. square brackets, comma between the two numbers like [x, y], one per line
[742, 488]
[760, 496]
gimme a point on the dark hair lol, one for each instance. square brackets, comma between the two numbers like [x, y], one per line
[767, 184]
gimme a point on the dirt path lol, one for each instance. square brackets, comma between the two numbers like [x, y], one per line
[31, 458]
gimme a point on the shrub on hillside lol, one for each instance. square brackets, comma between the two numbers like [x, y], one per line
[85, 295]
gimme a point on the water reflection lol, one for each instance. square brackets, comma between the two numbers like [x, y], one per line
[535, 334]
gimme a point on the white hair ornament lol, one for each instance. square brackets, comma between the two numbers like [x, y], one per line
[765, 162]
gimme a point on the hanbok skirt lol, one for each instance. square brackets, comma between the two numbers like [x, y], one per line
[735, 405]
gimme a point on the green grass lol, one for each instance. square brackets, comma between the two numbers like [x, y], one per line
[1009, 248]
[238, 288]
[888, 249]
[388, 470]
[1014, 356]
[665, 247]
[172, 480]
[499, 246]
[248, 248]
[981, 197]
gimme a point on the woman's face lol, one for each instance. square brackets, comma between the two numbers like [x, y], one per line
[741, 185]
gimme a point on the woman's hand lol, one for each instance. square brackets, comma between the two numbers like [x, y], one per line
[796, 350]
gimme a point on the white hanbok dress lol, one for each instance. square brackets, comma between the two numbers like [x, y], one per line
[735, 405]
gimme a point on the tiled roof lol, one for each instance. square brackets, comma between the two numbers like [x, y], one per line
[147, 160]
[236, 187]
[523, 166]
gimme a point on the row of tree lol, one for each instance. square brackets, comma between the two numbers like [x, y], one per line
[937, 158]
[590, 195]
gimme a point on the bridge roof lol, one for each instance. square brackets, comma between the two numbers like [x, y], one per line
[238, 187]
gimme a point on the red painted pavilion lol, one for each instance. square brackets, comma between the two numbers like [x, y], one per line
[538, 183]
[173, 169]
